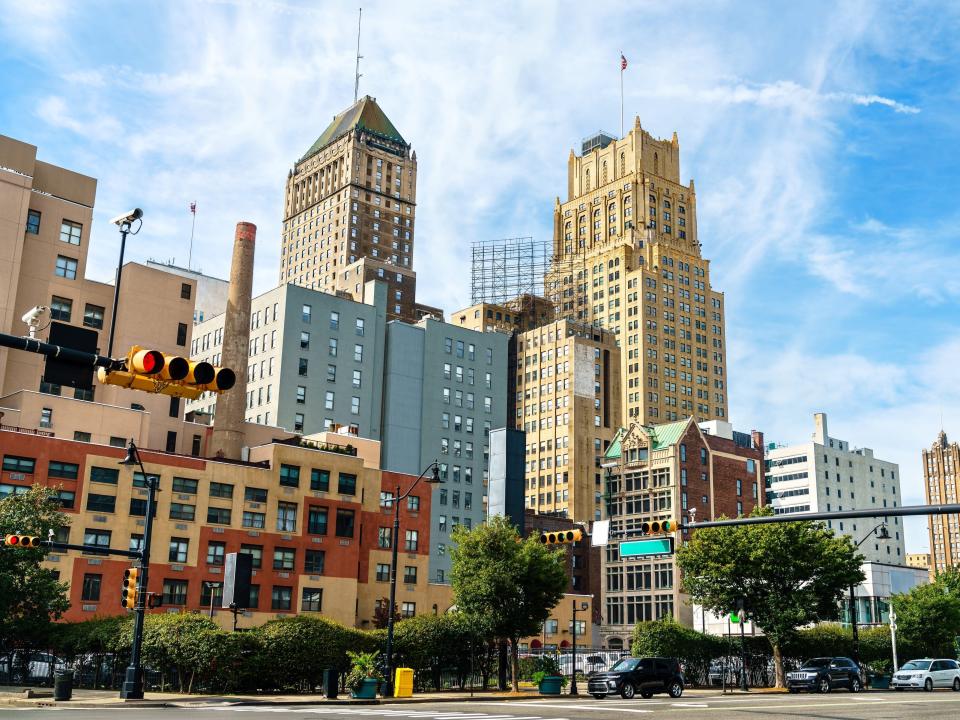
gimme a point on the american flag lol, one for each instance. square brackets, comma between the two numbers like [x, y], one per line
[193, 208]
[623, 62]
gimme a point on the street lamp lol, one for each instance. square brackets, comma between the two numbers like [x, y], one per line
[395, 541]
[133, 682]
[573, 673]
[124, 222]
[882, 535]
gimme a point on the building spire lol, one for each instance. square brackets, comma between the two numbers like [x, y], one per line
[356, 81]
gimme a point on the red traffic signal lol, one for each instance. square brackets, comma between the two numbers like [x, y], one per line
[128, 597]
[26, 541]
[157, 372]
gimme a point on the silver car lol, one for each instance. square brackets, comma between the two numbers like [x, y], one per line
[927, 674]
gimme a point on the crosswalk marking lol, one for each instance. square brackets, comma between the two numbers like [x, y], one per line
[386, 713]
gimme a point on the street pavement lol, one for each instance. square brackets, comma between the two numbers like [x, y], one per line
[876, 705]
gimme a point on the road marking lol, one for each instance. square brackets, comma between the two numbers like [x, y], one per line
[596, 708]
[388, 713]
[690, 705]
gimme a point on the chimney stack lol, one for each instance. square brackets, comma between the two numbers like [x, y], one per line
[228, 436]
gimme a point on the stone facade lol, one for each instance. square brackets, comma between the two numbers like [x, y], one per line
[941, 484]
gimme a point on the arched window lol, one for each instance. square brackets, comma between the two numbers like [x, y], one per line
[587, 180]
[615, 643]
[623, 165]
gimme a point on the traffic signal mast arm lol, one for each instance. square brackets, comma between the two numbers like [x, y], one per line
[62, 353]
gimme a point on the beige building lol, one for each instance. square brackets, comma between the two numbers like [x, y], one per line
[567, 400]
[918, 560]
[941, 484]
[350, 211]
[524, 312]
[627, 259]
[45, 217]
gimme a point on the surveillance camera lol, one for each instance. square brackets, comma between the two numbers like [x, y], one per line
[32, 316]
[127, 217]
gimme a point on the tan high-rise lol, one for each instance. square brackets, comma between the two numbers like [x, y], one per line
[350, 211]
[941, 485]
[627, 259]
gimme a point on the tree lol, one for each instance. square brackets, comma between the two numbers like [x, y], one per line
[30, 595]
[928, 617]
[506, 585]
[787, 574]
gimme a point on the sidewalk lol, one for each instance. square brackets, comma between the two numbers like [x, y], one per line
[12, 696]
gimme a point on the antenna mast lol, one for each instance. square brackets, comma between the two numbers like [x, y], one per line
[356, 82]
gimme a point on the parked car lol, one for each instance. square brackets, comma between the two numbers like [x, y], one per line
[927, 674]
[824, 673]
[638, 675]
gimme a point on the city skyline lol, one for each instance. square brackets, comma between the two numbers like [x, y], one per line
[806, 133]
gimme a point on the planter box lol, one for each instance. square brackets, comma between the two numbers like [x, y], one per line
[367, 691]
[880, 682]
[551, 685]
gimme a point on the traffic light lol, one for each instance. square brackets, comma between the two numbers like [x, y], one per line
[157, 372]
[26, 541]
[128, 598]
[562, 537]
[655, 527]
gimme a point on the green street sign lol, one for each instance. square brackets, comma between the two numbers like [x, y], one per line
[734, 618]
[647, 547]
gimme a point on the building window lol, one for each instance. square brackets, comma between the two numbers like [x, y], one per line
[254, 520]
[319, 480]
[314, 561]
[178, 550]
[345, 522]
[290, 475]
[188, 486]
[305, 313]
[211, 593]
[358, 353]
[286, 517]
[218, 516]
[70, 232]
[302, 367]
[284, 558]
[253, 494]
[101, 503]
[334, 321]
[317, 521]
[357, 377]
[354, 405]
[297, 422]
[97, 474]
[179, 511]
[66, 268]
[312, 600]
[33, 222]
[58, 469]
[221, 490]
[304, 340]
[174, 592]
[61, 309]
[93, 316]
[412, 541]
[347, 484]
[384, 537]
[91, 587]
[216, 552]
[185, 291]
[360, 326]
[332, 347]
[383, 572]
[281, 598]
[181, 334]
[256, 554]
[410, 575]
[413, 503]
[408, 609]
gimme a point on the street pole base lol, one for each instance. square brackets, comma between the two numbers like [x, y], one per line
[132, 688]
[386, 689]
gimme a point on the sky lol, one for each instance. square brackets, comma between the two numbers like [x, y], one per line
[822, 137]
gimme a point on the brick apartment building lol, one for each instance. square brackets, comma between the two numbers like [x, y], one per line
[660, 472]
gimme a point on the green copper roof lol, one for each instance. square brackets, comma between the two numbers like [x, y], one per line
[661, 436]
[364, 114]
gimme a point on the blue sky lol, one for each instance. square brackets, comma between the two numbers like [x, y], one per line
[822, 138]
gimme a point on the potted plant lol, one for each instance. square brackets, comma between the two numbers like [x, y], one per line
[879, 674]
[364, 676]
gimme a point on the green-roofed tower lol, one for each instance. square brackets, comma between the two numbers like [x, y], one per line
[350, 211]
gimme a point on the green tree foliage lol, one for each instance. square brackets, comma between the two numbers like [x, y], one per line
[668, 638]
[432, 642]
[507, 585]
[30, 596]
[789, 574]
[928, 617]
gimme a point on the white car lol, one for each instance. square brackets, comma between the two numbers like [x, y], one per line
[927, 674]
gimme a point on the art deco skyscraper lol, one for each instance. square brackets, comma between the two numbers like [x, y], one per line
[627, 259]
[350, 211]
[941, 484]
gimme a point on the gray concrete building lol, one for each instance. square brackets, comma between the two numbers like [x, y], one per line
[211, 299]
[316, 360]
[445, 389]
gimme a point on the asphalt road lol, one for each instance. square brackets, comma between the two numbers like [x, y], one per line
[835, 706]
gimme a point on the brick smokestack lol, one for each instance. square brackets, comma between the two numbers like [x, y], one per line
[228, 437]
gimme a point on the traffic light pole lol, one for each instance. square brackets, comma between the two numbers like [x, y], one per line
[58, 351]
[124, 230]
[133, 682]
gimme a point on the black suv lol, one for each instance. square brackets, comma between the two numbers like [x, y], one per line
[824, 673]
[638, 675]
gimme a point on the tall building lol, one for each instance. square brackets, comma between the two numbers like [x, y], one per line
[662, 472]
[350, 211]
[941, 483]
[316, 360]
[45, 217]
[445, 389]
[567, 400]
[627, 259]
[825, 474]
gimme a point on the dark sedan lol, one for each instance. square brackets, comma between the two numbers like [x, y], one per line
[645, 676]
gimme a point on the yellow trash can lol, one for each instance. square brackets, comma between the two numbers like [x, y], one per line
[403, 684]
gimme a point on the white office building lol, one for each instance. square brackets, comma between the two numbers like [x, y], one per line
[825, 475]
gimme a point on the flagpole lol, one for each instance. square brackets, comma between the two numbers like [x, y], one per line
[621, 96]
[193, 224]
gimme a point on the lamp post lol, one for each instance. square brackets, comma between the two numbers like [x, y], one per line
[124, 222]
[395, 541]
[133, 682]
[882, 535]
[573, 672]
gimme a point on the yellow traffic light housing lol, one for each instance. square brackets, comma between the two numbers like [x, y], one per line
[128, 598]
[157, 372]
[25, 541]
[562, 537]
[656, 527]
